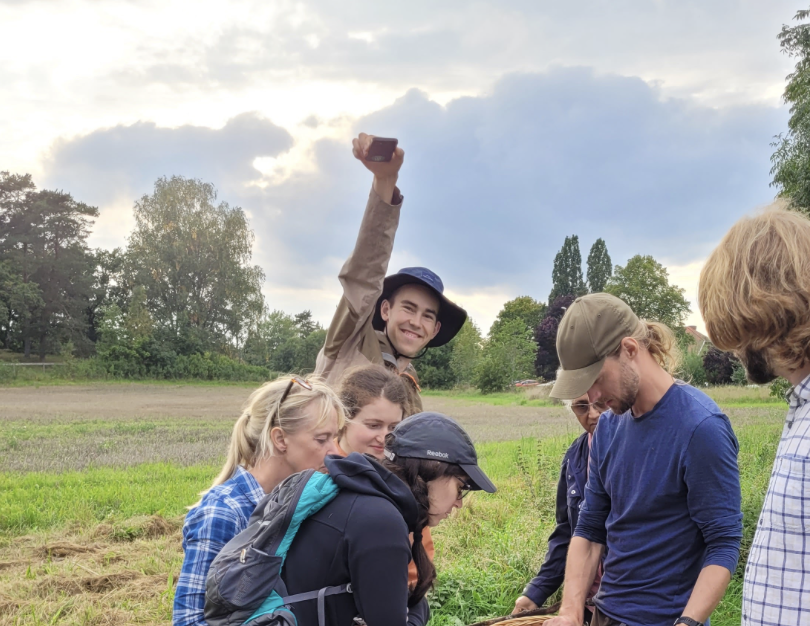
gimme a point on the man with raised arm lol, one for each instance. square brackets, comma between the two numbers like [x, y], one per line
[393, 320]
[663, 489]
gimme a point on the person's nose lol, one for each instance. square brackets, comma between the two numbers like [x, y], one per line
[331, 447]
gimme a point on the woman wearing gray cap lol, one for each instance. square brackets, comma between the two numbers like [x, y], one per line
[361, 536]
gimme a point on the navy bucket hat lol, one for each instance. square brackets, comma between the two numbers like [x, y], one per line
[451, 316]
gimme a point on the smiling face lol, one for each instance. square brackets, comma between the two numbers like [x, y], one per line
[411, 318]
[618, 382]
[444, 495]
[366, 431]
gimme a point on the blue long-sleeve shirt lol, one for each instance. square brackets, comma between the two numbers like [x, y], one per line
[664, 495]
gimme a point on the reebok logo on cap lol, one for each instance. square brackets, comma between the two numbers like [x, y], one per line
[438, 454]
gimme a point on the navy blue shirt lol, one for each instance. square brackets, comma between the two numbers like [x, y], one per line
[664, 495]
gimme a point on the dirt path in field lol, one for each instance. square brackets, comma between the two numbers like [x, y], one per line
[138, 402]
[122, 401]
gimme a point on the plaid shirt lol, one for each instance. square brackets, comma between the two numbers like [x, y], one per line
[223, 513]
[776, 591]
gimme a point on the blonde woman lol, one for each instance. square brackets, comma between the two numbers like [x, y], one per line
[289, 425]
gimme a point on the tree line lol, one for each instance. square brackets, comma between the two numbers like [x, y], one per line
[182, 299]
[521, 343]
[183, 286]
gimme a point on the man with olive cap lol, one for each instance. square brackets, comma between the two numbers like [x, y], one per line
[393, 320]
[663, 490]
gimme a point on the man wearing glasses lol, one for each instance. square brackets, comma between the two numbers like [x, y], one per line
[663, 490]
[389, 321]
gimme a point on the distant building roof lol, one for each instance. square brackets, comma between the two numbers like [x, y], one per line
[698, 336]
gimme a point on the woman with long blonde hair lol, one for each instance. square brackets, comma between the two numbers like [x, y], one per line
[287, 426]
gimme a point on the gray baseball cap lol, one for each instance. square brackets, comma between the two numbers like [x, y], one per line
[436, 437]
[591, 329]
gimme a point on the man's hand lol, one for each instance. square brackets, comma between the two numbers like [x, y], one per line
[385, 174]
[523, 604]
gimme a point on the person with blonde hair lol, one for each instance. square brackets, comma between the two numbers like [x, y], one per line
[287, 426]
[754, 296]
[663, 489]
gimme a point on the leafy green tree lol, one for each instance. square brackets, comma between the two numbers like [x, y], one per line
[19, 293]
[138, 322]
[108, 287]
[644, 284]
[434, 368]
[524, 308]
[600, 267]
[193, 257]
[285, 343]
[64, 271]
[466, 353]
[43, 246]
[566, 275]
[791, 159]
[507, 356]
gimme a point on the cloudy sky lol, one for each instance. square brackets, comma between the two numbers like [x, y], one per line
[645, 122]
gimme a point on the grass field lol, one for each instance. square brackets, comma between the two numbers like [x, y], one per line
[96, 479]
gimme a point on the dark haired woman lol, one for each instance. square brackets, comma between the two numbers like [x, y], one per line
[362, 535]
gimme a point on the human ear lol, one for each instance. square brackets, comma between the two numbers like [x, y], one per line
[631, 346]
[436, 329]
[385, 310]
[278, 440]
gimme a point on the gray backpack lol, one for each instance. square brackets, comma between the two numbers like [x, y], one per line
[244, 584]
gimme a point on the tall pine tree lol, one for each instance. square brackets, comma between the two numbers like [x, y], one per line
[600, 267]
[567, 273]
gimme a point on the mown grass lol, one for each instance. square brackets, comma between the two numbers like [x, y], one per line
[485, 554]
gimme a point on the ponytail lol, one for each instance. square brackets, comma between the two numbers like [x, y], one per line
[240, 451]
[660, 342]
[250, 438]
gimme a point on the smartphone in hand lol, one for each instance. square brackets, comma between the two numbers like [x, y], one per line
[381, 149]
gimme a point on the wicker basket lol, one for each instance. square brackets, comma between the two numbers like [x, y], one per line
[526, 621]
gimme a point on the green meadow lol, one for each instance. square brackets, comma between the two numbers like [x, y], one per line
[90, 517]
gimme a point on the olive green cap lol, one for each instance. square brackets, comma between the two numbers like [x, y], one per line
[591, 329]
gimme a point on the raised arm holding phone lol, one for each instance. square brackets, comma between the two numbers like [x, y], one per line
[390, 320]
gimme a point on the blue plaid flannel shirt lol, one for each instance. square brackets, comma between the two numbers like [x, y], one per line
[776, 590]
[223, 513]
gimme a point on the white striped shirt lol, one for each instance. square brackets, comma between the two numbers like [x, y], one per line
[776, 591]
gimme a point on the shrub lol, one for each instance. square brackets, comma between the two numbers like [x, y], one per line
[719, 366]
[692, 368]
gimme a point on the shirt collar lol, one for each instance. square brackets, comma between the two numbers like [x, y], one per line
[248, 485]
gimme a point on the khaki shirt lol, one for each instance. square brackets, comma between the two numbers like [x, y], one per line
[351, 341]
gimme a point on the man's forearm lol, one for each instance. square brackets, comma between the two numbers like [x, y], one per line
[707, 593]
[580, 570]
[384, 187]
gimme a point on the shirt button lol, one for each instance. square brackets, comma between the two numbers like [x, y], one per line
[574, 492]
